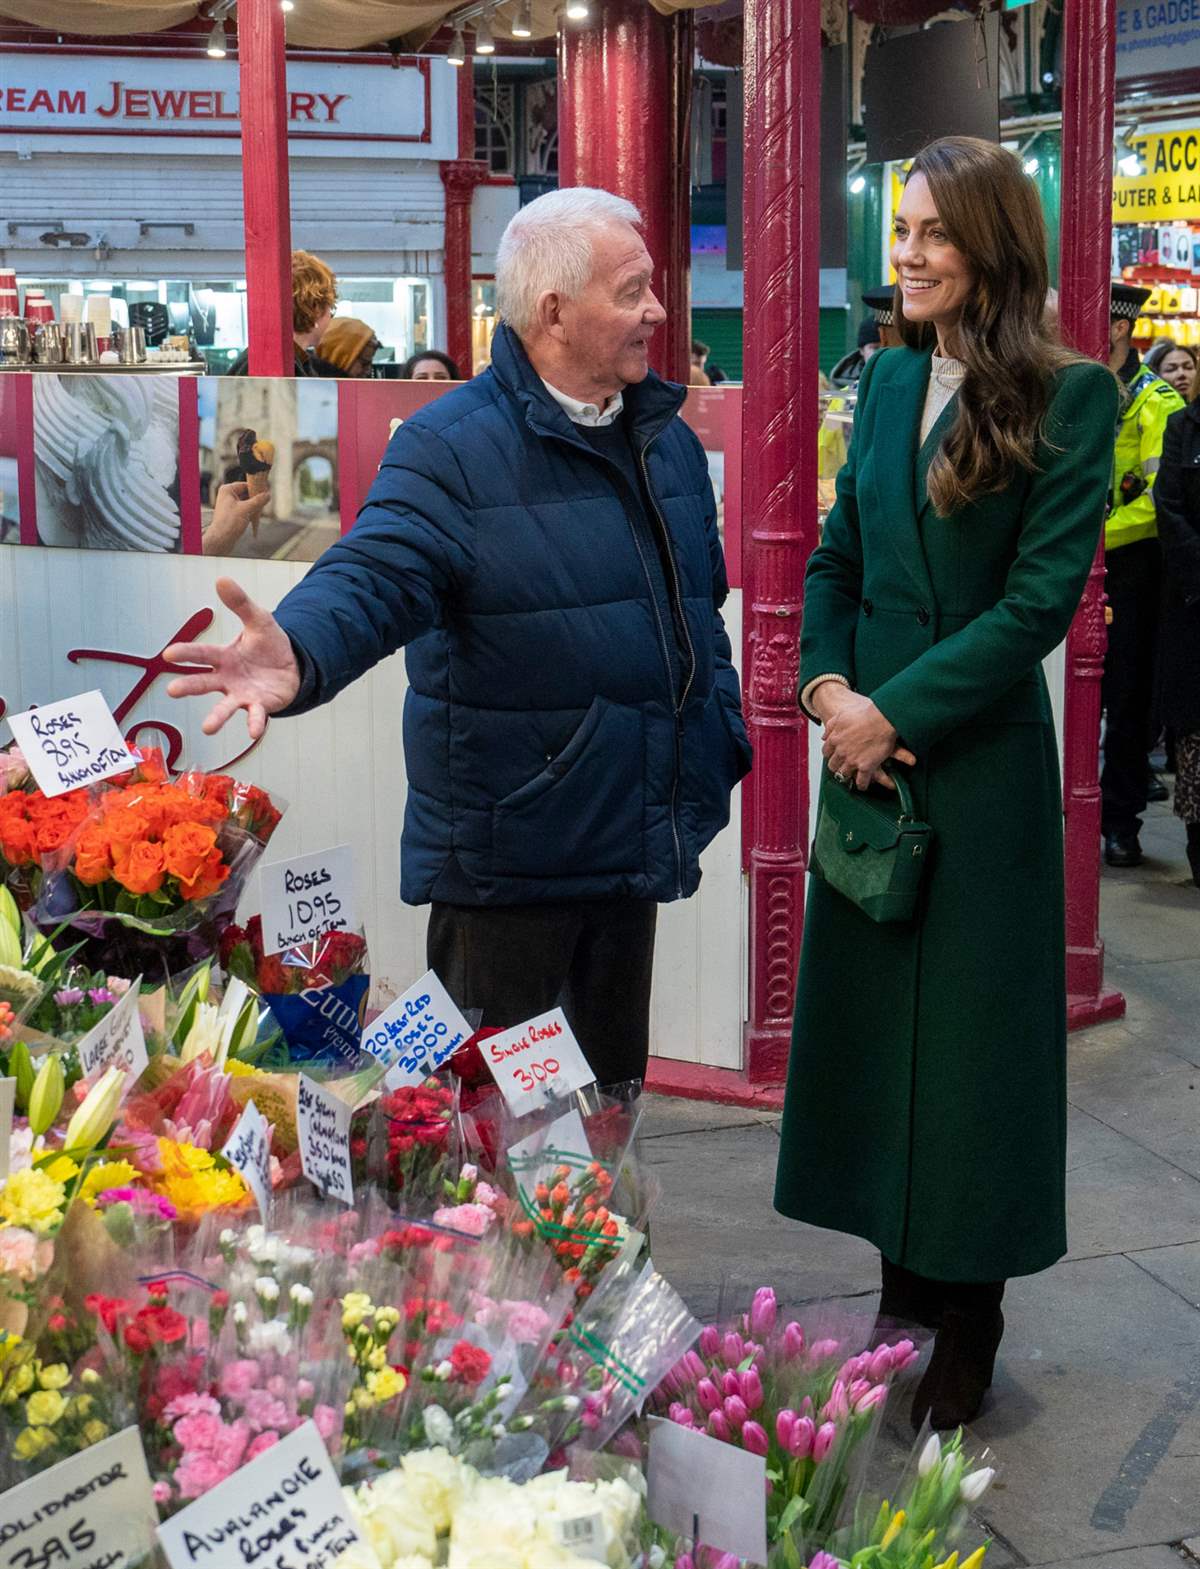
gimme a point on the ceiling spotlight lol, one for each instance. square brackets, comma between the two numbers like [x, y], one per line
[217, 49]
[577, 10]
[287, 5]
[457, 52]
[1032, 166]
[484, 42]
[858, 184]
[523, 25]
[1130, 165]
[1129, 159]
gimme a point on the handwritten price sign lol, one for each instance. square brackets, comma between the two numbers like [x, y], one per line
[537, 1062]
[417, 1033]
[95, 1508]
[71, 743]
[249, 1153]
[323, 1123]
[306, 897]
[118, 1041]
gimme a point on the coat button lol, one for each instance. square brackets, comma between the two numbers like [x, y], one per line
[868, 607]
[923, 616]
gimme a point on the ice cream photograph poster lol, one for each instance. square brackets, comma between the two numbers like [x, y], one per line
[274, 439]
[106, 460]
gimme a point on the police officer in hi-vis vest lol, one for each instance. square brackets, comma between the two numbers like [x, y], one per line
[1132, 583]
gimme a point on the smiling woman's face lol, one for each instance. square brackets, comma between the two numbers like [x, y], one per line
[935, 277]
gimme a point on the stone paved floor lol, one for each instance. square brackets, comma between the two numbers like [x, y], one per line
[1095, 1415]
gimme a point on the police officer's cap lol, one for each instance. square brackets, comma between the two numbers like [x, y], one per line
[1127, 301]
[882, 302]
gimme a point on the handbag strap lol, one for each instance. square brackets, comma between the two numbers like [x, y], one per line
[908, 809]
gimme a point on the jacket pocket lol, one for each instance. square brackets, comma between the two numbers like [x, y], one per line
[583, 813]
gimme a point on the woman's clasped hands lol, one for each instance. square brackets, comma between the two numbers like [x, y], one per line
[858, 739]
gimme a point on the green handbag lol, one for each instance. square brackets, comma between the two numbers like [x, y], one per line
[871, 847]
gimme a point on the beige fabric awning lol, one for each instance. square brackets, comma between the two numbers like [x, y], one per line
[316, 24]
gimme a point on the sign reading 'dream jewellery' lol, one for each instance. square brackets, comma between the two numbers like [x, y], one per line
[72, 743]
[95, 1508]
[77, 98]
[283, 1509]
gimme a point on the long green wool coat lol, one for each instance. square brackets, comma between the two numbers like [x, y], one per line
[926, 1099]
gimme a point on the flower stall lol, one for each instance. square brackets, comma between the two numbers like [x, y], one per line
[351, 1296]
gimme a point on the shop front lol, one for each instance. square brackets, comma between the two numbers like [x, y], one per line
[122, 174]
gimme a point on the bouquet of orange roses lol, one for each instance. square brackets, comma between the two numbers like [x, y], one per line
[155, 867]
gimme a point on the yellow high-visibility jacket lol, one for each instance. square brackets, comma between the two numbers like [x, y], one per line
[1139, 447]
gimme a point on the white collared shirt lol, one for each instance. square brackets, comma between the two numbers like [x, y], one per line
[585, 413]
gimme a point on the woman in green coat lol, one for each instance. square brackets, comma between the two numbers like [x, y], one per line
[926, 1101]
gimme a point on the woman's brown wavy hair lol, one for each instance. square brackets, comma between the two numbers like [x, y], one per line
[990, 210]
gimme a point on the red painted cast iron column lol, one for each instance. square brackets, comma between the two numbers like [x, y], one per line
[262, 75]
[624, 116]
[1089, 33]
[460, 176]
[782, 220]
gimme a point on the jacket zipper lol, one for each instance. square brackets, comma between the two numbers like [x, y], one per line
[669, 558]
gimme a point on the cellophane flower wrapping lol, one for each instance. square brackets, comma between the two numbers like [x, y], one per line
[153, 871]
[620, 1343]
[224, 1355]
[801, 1396]
[577, 1186]
[920, 1516]
[32, 825]
[316, 991]
[407, 1142]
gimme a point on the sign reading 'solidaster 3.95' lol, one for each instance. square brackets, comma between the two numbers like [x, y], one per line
[406, 112]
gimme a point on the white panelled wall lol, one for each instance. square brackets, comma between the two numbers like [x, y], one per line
[341, 768]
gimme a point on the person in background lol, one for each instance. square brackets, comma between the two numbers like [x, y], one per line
[1175, 363]
[1132, 581]
[713, 374]
[543, 542]
[430, 365]
[314, 294]
[348, 348]
[1177, 509]
[876, 331]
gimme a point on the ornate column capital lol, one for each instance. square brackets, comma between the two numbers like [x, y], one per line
[460, 176]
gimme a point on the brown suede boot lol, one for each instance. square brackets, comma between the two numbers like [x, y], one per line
[964, 1356]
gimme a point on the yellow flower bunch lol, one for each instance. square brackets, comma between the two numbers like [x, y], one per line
[33, 1199]
[54, 1418]
[367, 1330]
[193, 1182]
[108, 1174]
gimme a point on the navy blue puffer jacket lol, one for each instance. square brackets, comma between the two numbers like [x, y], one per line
[549, 753]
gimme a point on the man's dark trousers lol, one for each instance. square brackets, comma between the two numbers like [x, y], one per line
[592, 958]
[1132, 582]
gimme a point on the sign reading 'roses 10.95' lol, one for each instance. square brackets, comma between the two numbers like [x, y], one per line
[405, 112]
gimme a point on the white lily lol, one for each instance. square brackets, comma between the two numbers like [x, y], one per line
[931, 1455]
[205, 1034]
[97, 1113]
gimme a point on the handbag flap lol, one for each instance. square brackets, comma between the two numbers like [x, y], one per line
[862, 822]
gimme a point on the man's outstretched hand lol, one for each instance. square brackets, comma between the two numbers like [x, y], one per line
[257, 671]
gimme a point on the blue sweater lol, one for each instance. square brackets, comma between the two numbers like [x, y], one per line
[552, 751]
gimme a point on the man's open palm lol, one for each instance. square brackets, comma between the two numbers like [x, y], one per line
[257, 671]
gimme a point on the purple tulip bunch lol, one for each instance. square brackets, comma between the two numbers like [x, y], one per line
[804, 1405]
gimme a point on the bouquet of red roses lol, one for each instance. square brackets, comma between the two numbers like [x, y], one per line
[317, 991]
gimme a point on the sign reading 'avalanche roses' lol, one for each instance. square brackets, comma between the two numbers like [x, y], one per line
[95, 1508]
[71, 743]
[118, 1041]
[537, 1062]
[306, 897]
[249, 1153]
[323, 1125]
[417, 1033]
[284, 1508]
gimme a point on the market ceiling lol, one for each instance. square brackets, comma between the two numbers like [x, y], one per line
[315, 24]
[355, 24]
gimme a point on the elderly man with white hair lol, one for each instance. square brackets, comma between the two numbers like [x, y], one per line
[542, 541]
